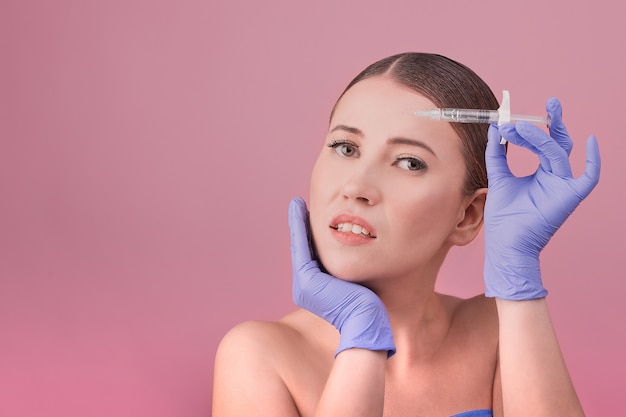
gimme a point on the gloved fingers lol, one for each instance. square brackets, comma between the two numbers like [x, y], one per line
[557, 128]
[508, 131]
[533, 138]
[495, 155]
[588, 180]
[298, 217]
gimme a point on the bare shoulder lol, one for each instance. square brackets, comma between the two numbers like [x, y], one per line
[255, 363]
[477, 315]
[247, 378]
[253, 337]
[255, 348]
[274, 340]
[474, 307]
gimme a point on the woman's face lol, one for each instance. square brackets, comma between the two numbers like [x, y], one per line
[386, 190]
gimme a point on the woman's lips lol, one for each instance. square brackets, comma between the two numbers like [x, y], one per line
[352, 228]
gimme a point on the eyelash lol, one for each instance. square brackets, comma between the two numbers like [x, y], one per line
[421, 165]
[337, 143]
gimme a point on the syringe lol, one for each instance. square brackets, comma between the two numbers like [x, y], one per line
[476, 116]
[500, 116]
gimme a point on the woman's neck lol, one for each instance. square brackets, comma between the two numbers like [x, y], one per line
[420, 318]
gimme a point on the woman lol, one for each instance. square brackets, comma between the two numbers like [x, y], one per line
[390, 194]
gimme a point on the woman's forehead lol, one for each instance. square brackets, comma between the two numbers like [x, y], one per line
[382, 92]
[382, 106]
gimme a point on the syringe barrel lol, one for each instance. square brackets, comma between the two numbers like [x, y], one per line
[469, 115]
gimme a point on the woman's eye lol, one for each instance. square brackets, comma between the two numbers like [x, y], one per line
[344, 148]
[410, 164]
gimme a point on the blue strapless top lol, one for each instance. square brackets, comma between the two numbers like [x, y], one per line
[475, 413]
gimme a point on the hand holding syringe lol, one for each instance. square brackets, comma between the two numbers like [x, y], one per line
[500, 116]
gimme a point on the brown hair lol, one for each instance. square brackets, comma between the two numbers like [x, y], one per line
[446, 83]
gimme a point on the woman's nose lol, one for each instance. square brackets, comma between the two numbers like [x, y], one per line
[362, 187]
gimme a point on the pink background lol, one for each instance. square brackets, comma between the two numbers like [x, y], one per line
[149, 149]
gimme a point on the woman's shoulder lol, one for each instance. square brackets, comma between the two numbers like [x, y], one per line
[277, 364]
[478, 313]
[252, 337]
[292, 356]
[478, 304]
[266, 339]
[253, 366]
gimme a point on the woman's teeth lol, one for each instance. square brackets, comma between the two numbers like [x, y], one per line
[353, 228]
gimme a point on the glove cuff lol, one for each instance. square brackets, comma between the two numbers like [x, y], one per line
[368, 330]
[514, 278]
[383, 340]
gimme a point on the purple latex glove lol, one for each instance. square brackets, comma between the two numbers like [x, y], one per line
[522, 214]
[356, 311]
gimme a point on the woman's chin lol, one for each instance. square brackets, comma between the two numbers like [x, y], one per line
[345, 272]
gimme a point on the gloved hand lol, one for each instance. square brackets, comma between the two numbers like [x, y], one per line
[522, 214]
[357, 312]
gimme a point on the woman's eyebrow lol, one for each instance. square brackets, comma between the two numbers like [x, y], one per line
[348, 129]
[412, 142]
[391, 141]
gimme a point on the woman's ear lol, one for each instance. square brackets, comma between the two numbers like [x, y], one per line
[470, 218]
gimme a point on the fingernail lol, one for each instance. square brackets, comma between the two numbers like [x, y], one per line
[554, 107]
[293, 207]
[553, 103]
